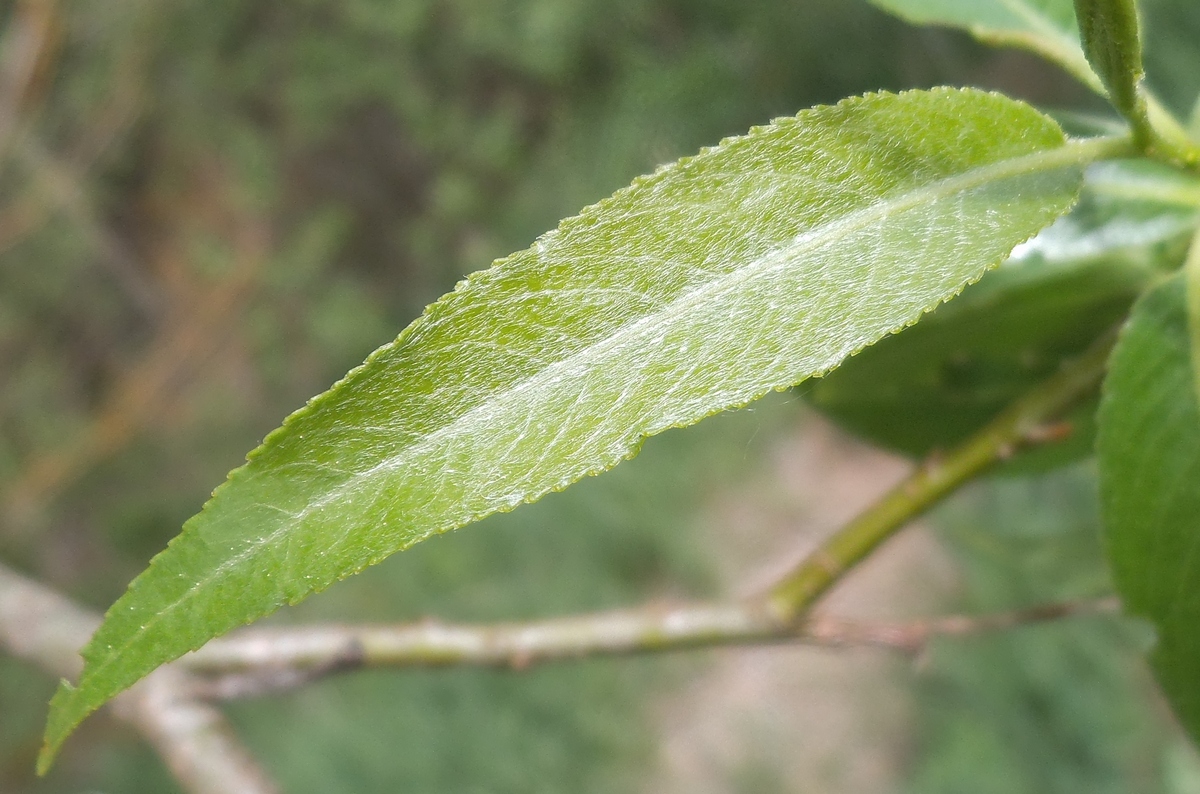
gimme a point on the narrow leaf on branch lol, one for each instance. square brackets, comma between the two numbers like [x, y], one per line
[1149, 454]
[1113, 45]
[1046, 27]
[752, 266]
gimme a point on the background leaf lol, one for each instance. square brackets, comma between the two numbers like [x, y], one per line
[936, 383]
[747, 268]
[1149, 453]
[1047, 27]
[1050, 29]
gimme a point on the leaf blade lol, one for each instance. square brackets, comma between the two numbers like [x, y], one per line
[1112, 43]
[667, 302]
[1045, 27]
[1148, 447]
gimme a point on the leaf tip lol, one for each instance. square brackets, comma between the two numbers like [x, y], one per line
[65, 716]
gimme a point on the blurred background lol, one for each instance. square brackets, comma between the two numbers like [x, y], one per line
[209, 211]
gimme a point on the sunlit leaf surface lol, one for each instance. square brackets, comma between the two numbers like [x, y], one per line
[746, 268]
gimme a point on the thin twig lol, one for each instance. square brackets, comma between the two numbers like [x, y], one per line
[263, 661]
[195, 740]
[913, 637]
[324, 649]
[1020, 426]
[16, 81]
[43, 627]
[27, 51]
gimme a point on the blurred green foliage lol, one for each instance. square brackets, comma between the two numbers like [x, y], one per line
[1067, 707]
[211, 210]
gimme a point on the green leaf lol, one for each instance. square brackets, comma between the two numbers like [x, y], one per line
[746, 268]
[1113, 46]
[1149, 454]
[938, 382]
[1046, 27]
